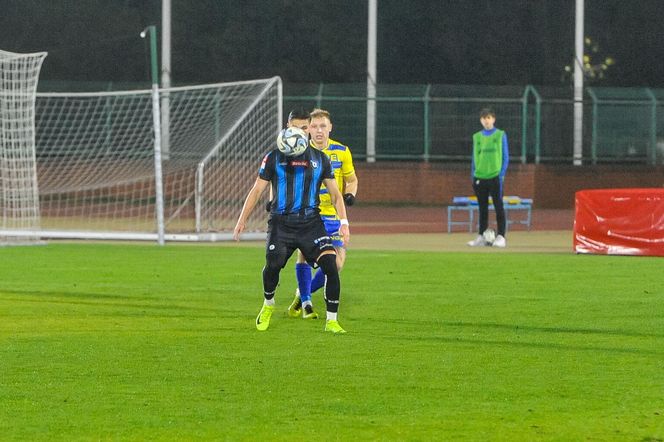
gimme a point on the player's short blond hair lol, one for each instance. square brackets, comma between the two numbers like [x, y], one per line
[320, 113]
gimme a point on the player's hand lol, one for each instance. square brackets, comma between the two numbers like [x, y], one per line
[239, 228]
[345, 232]
[268, 206]
[349, 199]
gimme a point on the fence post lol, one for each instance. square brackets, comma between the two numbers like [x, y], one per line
[524, 124]
[538, 123]
[593, 144]
[108, 107]
[653, 127]
[217, 116]
[319, 96]
[427, 130]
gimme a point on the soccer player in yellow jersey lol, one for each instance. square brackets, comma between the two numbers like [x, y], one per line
[320, 126]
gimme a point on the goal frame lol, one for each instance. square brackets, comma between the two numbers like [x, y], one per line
[19, 188]
[159, 235]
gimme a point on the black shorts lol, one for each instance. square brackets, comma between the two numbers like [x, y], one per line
[285, 233]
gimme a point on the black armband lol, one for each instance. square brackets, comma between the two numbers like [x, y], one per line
[349, 199]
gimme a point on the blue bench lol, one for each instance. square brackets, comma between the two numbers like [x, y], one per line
[469, 205]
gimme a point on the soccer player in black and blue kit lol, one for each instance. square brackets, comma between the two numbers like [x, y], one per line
[295, 223]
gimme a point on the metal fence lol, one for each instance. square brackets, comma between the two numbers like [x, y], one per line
[436, 122]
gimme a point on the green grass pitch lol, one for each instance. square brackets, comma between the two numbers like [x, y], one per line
[137, 342]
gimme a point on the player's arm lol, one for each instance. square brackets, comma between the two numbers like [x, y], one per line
[338, 202]
[506, 157]
[249, 204]
[472, 161]
[349, 178]
[350, 189]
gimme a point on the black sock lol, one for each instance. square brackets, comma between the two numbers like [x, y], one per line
[328, 263]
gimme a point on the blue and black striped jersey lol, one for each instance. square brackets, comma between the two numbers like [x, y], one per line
[296, 181]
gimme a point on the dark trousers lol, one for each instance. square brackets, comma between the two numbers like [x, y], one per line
[494, 188]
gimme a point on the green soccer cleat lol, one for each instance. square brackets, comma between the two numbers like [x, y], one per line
[309, 313]
[334, 327]
[263, 318]
[295, 309]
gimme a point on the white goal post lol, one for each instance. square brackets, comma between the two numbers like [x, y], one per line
[19, 194]
[96, 161]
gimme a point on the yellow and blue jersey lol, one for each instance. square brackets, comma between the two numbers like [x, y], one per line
[342, 166]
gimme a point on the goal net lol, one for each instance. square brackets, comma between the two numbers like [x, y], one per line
[19, 195]
[96, 170]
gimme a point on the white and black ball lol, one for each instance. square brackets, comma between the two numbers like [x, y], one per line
[292, 141]
[489, 236]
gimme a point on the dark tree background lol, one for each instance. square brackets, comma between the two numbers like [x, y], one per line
[422, 41]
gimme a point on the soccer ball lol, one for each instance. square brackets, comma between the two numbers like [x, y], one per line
[489, 236]
[292, 141]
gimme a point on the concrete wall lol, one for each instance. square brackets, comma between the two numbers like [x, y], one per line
[550, 186]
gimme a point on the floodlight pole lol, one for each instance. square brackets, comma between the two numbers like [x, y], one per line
[371, 82]
[165, 78]
[156, 123]
[578, 84]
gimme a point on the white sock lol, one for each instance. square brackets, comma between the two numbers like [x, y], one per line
[269, 302]
[331, 316]
[306, 303]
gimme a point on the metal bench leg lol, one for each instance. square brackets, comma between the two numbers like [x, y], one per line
[449, 219]
[470, 219]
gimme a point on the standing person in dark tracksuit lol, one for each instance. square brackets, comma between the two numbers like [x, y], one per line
[488, 168]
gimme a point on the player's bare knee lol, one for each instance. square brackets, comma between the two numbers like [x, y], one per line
[340, 262]
[300, 258]
[341, 258]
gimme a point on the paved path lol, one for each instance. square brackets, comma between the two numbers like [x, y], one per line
[543, 241]
[379, 219]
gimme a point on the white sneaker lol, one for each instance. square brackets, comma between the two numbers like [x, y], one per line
[500, 241]
[479, 241]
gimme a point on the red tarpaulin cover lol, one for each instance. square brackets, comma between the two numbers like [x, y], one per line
[619, 222]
